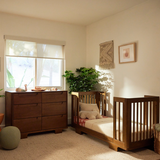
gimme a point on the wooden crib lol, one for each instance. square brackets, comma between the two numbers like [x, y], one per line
[134, 117]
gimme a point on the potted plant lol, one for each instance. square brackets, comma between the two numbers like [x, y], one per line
[84, 79]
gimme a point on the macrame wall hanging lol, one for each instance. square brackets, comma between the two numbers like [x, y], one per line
[107, 54]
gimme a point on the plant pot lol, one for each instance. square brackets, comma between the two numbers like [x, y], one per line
[1, 119]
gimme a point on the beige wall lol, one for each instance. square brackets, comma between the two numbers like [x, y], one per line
[74, 35]
[140, 24]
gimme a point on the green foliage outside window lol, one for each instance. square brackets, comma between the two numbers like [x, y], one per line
[84, 80]
[11, 81]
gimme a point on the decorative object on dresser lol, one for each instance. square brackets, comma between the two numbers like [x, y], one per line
[34, 112]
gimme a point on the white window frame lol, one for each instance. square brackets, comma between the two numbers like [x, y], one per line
[40, 41]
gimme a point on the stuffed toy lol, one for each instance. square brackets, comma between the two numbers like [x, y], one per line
[90, 115]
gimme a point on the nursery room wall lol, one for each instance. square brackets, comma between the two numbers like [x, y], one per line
[140, 24]
[73, 35]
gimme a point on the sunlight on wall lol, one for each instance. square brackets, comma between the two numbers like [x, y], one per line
[106, 84]
[105, 79]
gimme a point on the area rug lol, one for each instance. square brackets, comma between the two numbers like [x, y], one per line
[69, 145]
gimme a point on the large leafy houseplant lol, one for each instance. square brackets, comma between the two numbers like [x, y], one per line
[84, 79]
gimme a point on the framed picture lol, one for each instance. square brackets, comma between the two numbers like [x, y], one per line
[127, 53]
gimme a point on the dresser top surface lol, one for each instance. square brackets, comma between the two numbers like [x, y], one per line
[36, 91]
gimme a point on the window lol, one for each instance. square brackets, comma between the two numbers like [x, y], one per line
[34, 64]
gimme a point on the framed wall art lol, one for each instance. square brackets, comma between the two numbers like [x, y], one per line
[127, 53]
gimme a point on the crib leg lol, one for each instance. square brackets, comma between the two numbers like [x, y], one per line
[79, 131]
[113, 146]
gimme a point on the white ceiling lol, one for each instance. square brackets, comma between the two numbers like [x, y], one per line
[81, 12]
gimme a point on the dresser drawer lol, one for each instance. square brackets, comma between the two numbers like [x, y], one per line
[28, 125]
[54, 96]
[26, 110]
[54, 108]
[25, 98]
[50, 122]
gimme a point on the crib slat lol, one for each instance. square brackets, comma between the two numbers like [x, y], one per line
[133, 121]
[144, 108]
[102, 104]
[150, 118]
[80, 98]
[92, 101]
[114, 120]
[98, 100]
[140, 120]
[157, 112]
[137, 122]
[77, 111]
[74, 108]
[119, 120]
[154, 111]
[87, 98]
[72, 113]
[103, 95]
[147, 119]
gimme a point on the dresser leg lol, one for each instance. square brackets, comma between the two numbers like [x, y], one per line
[58, 131]
[24, 135]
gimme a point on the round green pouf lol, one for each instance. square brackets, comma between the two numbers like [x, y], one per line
[10, 137]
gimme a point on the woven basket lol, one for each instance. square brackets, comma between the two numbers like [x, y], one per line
[156, 140]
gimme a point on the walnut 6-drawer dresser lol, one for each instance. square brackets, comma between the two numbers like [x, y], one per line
[34, 112]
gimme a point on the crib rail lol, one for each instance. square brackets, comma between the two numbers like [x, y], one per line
[134, 117]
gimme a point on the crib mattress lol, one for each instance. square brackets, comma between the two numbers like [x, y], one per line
[105, 126]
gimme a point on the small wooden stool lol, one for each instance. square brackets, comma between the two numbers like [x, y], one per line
[1, 119]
